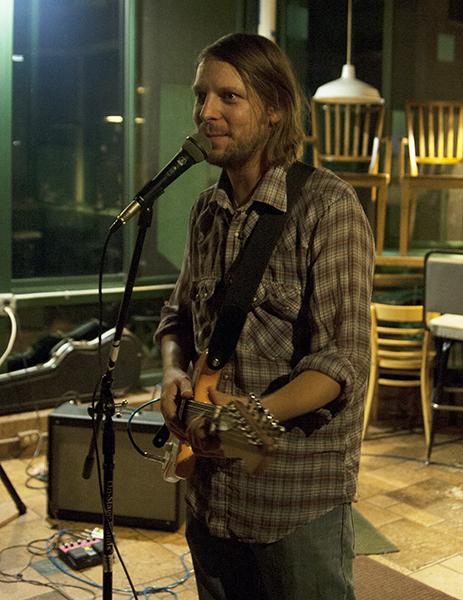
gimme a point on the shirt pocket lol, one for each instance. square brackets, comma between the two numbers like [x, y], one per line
[269, 328]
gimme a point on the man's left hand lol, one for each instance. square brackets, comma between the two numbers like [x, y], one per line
[204, 443]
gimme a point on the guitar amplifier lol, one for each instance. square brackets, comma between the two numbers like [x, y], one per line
[141, 496]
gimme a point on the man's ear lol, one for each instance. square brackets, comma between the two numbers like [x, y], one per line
[274, 116]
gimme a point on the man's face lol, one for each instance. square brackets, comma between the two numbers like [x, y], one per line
[231, 116]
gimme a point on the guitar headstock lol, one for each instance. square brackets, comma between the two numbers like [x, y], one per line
[248, 432]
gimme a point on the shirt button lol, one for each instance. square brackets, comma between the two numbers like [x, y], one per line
[226, 377]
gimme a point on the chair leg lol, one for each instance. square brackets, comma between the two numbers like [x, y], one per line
[443, 347]
[426, 388]
[412, 214]
[370, 396]
[426, 409]
[431, 436]
[380, 219]
[404, 218]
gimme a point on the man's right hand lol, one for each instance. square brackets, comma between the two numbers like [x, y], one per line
[176, 384]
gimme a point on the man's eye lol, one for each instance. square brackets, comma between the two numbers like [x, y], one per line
[230, 96]
[200, 98]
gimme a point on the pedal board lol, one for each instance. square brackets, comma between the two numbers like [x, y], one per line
[82, 553]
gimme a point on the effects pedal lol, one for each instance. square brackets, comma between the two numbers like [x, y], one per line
[82, 553]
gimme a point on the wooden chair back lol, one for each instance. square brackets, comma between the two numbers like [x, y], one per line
[347, 133]
[400, 355]
[434, 133]
[397, 343]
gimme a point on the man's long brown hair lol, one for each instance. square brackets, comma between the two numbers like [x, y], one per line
[267, 71]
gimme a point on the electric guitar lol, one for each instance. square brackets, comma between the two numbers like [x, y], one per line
[246, 431]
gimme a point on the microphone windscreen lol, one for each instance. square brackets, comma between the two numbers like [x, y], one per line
[197, 146]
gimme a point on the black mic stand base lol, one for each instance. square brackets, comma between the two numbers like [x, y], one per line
[14, 496]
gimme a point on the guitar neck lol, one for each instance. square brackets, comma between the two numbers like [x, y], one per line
[246, 431]
[188, 409]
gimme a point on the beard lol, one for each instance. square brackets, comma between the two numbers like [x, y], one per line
[238, 153]
[235, 156]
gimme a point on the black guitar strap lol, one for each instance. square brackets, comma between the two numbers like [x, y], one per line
[243, 277]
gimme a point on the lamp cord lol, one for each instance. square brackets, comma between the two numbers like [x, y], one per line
[349, 32]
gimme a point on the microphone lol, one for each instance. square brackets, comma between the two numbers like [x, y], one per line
[194, 150]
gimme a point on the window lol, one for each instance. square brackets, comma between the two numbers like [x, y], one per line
[98, 101]
[68, 135]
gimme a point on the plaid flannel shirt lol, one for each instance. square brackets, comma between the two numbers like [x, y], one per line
[311, 311]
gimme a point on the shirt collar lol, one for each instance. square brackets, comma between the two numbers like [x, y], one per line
[271, 190]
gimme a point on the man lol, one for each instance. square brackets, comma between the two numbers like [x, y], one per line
[285, 533]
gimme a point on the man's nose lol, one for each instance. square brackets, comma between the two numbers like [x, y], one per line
[210, 108]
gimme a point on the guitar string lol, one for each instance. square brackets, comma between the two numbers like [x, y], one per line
[199, 408]
[202, 407]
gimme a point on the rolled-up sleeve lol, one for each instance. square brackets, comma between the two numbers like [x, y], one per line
[340, 278]
[176, 313]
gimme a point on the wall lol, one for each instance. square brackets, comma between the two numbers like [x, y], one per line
[427, 57]
[171, 34]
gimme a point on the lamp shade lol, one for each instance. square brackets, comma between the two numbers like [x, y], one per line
[348, 89]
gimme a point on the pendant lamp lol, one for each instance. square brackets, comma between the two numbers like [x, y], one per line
[348, 89]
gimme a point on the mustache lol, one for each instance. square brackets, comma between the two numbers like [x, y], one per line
[211, 130]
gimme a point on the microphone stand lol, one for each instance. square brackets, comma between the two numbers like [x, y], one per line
[194, 150]
[106, 406]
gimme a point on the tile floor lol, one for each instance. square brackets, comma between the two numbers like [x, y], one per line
[418, 507]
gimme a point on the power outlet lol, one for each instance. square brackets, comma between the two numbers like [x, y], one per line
[7, 300]
[28, 437]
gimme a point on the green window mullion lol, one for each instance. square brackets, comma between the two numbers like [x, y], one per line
[129, 62]
[6, 74]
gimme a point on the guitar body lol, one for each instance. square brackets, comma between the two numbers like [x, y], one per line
[246, 430]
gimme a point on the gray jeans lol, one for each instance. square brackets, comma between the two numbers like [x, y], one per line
[312, 563]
